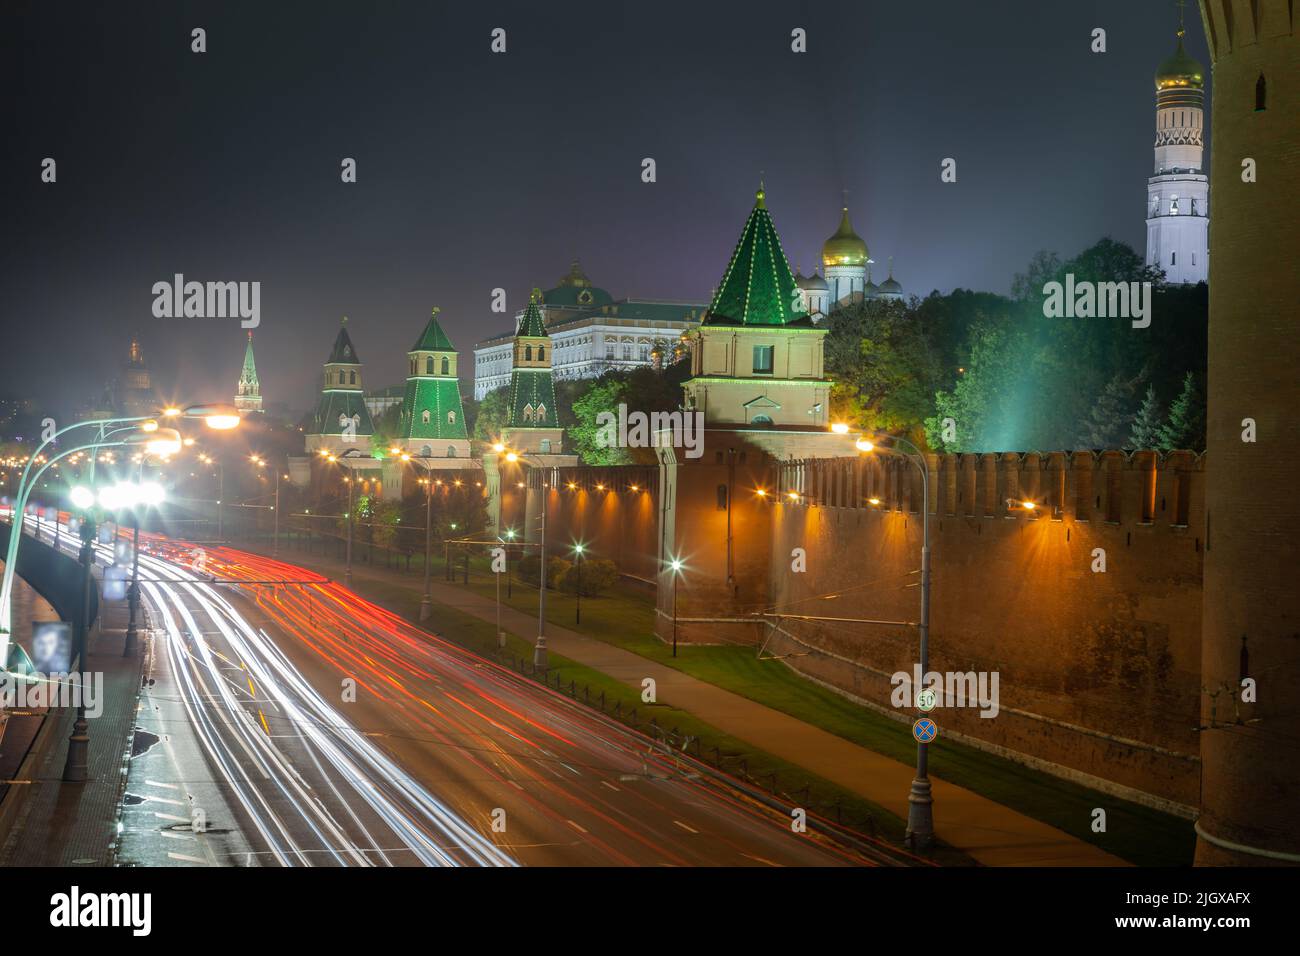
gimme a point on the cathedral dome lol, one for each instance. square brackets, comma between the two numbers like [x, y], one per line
[813, 282]
[846, 247]
[1180, 71]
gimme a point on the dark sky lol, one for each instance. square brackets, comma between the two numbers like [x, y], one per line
[479, 170]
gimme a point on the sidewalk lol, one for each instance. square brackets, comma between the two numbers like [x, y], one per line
[992, 834]
[54, 823]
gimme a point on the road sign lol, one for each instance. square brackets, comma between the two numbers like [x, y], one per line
[925, 730]
[927, 700]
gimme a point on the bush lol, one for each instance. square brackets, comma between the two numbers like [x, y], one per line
[598, 574]
[528, 569]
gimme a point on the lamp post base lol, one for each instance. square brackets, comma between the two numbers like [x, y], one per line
[920, 816]
[75, 768]
[426, 608]
[539, 655]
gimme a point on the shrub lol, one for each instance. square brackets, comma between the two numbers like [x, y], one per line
[528, 569]
[598, 574]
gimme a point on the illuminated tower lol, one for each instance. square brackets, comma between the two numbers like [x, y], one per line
[1250, 773]
[342, 422]
[433, 420]
[758, 356]
[248, 394]
[534, 422]
[1178, 204]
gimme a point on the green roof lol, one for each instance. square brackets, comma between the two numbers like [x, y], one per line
[433, 339]
[248, 375]
[440, 397]
[532, 387]
[758, 287]
[343, 353]
[531, 325]
[336, 405]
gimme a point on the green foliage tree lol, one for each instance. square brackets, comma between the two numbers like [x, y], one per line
[1108, 421]
[1185, 426]
[493, 413]
[587, 437]
[1145, 433]
[884, 365]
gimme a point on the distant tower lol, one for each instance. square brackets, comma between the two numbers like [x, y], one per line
[534, 422]
[342, 422]
[1250, 772]
[845, 258]
[433, 420]
[1178, 204]
[135, 394]
[248, 394]
[817, 294]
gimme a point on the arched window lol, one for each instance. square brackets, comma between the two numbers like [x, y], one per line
[1173, 258]
[424, 416]
[528, 412]
[761, 420]
[541, 352]
[451, 418]
[352, 378]
[446, 365]
[451, 451]
[426, 452]
[541, 413]
[528, 353]
[1261, 94]
[428, 365]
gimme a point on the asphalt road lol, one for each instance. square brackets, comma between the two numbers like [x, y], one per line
[291, 722]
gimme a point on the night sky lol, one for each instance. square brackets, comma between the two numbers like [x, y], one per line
[478, 170]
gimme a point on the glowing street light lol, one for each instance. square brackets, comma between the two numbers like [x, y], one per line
[920, 802]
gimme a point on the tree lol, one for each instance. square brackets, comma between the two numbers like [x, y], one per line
[1108, 421]
[587, 436]
[1185, 426]
[1145, 433]
[493, 414]
[387, 428]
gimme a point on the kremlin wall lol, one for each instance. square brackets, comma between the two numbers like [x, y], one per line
[1098, 670]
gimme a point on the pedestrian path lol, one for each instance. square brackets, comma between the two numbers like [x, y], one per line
[990, 833]
[56, 823]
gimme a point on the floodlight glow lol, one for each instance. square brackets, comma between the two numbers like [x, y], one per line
[863, 445]
[82, 497]
[840, 428]
[151, 493]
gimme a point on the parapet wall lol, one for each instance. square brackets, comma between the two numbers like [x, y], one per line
[1098, 669]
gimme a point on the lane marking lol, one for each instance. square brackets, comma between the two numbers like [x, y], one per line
[685, 827]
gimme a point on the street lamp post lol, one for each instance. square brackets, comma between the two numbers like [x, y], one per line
[920, 801]
[75, 767]
[426, 602]
[676, 568]
[539, 649]
[577, 608]
[347, 571]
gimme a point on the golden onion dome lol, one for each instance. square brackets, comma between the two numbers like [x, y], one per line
[1180, 71]
[846, 247]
